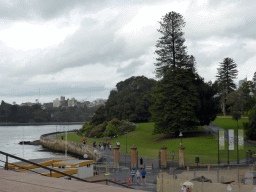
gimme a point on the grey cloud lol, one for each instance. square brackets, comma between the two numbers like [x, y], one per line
[46, 9]
[90, 44]
[130, 69]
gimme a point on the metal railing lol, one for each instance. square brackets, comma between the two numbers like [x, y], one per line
[53, 170]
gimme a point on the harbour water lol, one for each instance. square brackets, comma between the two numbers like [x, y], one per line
[10, 136]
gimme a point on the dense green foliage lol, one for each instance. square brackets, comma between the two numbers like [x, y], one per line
[174, 100]
[112, 128]
[207, 110]
[130, 101]
[35, 113]
[250, 127]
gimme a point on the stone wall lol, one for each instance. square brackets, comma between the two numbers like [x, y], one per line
[72, 147]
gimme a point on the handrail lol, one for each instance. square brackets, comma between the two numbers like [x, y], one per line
[50, 169]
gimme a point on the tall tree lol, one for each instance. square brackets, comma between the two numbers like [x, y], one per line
[225, 76]
[171, 50]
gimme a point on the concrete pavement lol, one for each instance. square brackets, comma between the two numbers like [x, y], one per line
[11, 181]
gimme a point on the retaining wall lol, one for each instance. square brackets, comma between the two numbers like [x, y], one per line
[72, 147]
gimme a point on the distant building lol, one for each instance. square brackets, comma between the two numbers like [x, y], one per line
[62, 98]
[56, 102]
[47, 105]
[72, 102]
[27, 104]
[64, 103]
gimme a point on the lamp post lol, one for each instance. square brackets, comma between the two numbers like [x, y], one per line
[180, 138]
[95, 152]
[66, 143]
[126, 141]
[126, 148]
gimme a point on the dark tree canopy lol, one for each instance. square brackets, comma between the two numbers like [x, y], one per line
[171, 50]
[30, 114]
[175, 98]
[208, 108]
[130, 101]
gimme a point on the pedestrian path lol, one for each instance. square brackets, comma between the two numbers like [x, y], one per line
[215, 128]
[13, 181]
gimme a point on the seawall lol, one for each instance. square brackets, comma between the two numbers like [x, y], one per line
[42, 123]
[72, 147]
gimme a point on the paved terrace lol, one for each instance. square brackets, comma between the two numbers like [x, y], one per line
[11, 181]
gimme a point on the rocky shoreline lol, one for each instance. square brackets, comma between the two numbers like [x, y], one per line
[36, 142]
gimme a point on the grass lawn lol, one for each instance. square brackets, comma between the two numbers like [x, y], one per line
[228, 123]
[205, 146]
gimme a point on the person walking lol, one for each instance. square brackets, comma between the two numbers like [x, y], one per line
[133, 173]
[143, 175]
[84, 141]
[138, 176]
[110, 146]
[141, 162]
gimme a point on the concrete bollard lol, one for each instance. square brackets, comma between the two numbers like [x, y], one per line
[209, 167]
[188, 168]
[228, 168]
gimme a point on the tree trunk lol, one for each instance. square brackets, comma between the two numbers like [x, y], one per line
[223, 107]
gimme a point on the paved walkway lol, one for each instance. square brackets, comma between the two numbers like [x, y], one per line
[11, 181]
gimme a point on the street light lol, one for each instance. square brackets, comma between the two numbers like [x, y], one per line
[126, 148]
[95, 152]
[180, 138]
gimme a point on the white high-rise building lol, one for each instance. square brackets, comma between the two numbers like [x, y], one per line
[56, 102]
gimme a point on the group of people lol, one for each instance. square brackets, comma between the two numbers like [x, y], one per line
[101, 145]
[138, 174]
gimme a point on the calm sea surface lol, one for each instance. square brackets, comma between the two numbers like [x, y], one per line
[10, 136]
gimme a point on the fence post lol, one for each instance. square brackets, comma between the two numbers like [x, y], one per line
[133, 156]
[238, 175]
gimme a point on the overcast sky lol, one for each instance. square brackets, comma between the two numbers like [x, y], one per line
[83, 48]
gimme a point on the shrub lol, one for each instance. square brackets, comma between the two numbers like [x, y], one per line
[95, 131]
[250, 127]
[103, 126]
[111, 130]
[99, 135]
